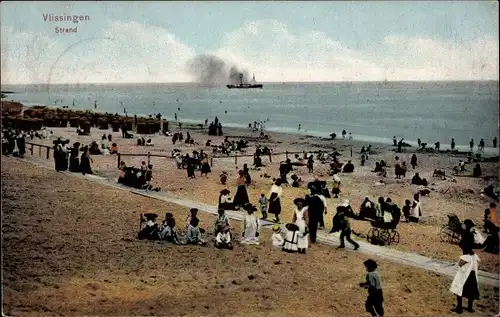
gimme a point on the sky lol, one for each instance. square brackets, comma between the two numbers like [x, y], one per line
[148, 41]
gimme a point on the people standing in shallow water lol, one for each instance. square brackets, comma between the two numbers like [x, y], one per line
[495, 140]
[274, 199]
[471, 144]
[453, 144]
[481, 145]
[241, 196]
[85, 161]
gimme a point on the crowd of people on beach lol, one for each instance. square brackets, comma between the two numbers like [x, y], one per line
[300, 232]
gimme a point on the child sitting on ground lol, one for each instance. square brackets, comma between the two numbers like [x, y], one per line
[221, 221]
[194, 232]
[375, 297]
[276, 238]
[168, 232]
[223, 239]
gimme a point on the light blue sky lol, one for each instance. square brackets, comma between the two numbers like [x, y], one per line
[361, 28]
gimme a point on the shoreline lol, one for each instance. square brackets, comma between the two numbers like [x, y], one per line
[357, 138]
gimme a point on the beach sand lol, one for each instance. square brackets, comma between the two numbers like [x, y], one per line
[70, 248]
[457, 194]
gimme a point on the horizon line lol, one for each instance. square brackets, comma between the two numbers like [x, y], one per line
[264, 82]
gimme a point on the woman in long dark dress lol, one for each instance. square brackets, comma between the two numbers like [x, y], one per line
[274, 200]
[205, 167]
[21, 145]
[241, 196]
[74, 161]
[85, 161]
[246, 172]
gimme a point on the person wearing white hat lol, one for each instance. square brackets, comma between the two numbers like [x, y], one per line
[276, 239]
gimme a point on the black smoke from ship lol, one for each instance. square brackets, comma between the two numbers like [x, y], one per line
[212, 71]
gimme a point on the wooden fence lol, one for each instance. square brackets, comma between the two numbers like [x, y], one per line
[235, 156]
[40, 147]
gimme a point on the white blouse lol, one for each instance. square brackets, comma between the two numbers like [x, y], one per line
[275, 189]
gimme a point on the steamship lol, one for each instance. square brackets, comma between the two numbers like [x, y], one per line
[245, 85]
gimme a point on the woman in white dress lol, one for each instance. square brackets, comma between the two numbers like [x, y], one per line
[416, 210]
[301, 219]
[250, 225]
[465, 283]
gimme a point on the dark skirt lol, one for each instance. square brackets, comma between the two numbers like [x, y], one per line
[85, 165]
[241, 197]
[274, 205]
[471, 290]
[227, 206]
[205, 168]
[74, 164]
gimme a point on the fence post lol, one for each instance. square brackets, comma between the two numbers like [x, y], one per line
[32, 148]
[48, 151]
[270, 157]
[351, 151]
[149, 158]
[119, 159]
[235, 158]
[211, 161]
[39, 151]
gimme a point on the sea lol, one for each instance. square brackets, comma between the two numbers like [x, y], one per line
[371, 111]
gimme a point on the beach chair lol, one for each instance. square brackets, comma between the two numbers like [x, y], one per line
[452, 231]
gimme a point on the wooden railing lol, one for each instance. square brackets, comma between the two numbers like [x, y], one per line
[40, 147]
[235, 155]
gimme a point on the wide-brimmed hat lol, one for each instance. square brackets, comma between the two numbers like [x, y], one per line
[299, 200]
[225, 191]
[291, 227]
[249, 207]
[468, 223]
[277, 229]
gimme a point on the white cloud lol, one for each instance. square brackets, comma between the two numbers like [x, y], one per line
[144, 53]
[123, 52]
[272, 51]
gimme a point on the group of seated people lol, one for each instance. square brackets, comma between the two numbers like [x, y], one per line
[141, 141]
[166, 231]
[151, 230]
[103, 148]
[139, 178]
[380, 168]
[417, 180]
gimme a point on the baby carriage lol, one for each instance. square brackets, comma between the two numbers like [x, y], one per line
[383, 231]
